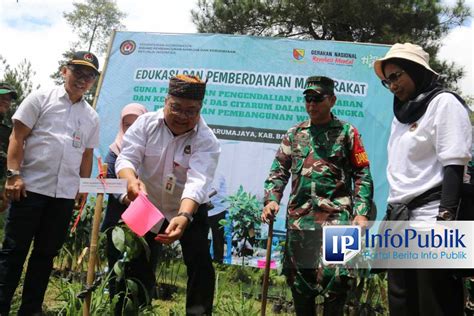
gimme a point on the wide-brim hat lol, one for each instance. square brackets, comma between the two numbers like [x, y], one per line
[86, 59]
[407, 51]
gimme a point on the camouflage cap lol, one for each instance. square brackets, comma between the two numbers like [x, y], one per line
[86, 59]
[187, 86]
[5, 88]
[320, 85]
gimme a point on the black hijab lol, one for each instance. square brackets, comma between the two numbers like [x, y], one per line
[426, 86]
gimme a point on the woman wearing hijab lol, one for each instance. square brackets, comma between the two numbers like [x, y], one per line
[117, 204]
[429, 147]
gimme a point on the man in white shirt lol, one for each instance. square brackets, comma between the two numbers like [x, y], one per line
[172, 155]
[51, 147]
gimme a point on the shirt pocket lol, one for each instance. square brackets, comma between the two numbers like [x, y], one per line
[299, 161]
[180, 169]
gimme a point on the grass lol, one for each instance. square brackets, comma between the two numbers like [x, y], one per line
[231, 298]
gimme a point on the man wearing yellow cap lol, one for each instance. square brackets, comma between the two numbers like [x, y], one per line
[51, 145]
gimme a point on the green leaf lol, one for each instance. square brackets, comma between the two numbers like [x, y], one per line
[118, 238]
[129, 308]
[132, 287]
[118, 269]
[132, 245]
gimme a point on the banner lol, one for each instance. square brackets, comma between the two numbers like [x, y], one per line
[254, 94]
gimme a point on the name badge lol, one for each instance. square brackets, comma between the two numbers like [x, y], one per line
[170, 183]
[77, 139]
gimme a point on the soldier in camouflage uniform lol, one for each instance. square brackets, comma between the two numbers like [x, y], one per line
[331, 184]
[7, 95]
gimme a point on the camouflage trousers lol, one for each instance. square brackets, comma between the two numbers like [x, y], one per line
[303, 268]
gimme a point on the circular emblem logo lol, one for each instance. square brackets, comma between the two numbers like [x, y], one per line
[88, 57]
[127, 47]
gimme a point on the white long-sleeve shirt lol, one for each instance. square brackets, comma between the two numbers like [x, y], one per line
[154, 153]
[418, 152]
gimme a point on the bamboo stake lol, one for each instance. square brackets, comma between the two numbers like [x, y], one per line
[93, 249]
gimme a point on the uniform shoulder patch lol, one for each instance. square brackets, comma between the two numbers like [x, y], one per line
[359, 157]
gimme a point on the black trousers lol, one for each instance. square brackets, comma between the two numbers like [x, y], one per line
[218, 238]
[46, 221]
[201, 275]
[424, 292]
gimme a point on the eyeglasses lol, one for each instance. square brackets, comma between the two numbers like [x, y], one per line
[315, 98]
[176, 110]
[79, 74]
[393, 78]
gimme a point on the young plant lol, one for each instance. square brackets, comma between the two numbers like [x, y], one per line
[131, 247]
[227, 303]
[243, 218]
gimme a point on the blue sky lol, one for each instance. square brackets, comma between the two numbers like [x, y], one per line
[37, 31]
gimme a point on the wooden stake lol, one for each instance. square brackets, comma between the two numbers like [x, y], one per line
[93, 249]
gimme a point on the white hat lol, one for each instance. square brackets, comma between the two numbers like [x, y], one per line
[406, 51]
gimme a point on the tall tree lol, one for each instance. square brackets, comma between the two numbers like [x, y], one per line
[67, 55]
[93, 21]
[20, 77]
[424, 22]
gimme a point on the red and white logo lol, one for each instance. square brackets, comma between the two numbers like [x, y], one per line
[88, 57]
[127, 47]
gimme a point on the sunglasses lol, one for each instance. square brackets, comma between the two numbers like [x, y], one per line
[315, 98]
[393, 78]
[79, 74]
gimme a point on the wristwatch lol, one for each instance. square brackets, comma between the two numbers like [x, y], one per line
[12, 173]
[445, 215]
[187, 215]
